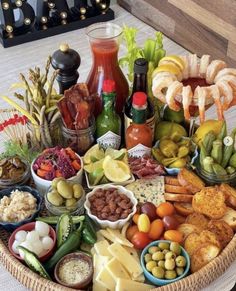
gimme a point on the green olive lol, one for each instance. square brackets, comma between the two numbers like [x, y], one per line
[170, 255]
[164, 246]
[153, 249]
[147, 258]
[180, 261]
[158, 256]
[165, 252]
[175, 247]
[161, 264]
[170, 264]
[55, 198]
[170, 274]
[158, 272]
[150, 265]
[179, 271]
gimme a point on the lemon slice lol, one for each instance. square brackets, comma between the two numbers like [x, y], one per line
[173, 59]
[171, 68]
[94, 166]
[95, 153]
[116, 154]
[116, 171]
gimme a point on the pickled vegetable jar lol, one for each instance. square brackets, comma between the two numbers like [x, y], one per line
[104, 40]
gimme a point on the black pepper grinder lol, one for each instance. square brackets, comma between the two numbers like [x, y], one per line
[67, 61]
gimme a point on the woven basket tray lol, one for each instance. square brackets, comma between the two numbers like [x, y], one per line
[193, 282]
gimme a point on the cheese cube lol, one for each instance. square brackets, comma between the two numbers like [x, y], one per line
[101, 248]
[105, 279]
[129, 285]
[116, 270]
[131, 265]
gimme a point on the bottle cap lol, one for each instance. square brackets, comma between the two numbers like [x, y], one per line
[140, 66]
[139, 98]
[108, 86]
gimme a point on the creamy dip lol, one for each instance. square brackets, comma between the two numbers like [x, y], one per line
[74, 271]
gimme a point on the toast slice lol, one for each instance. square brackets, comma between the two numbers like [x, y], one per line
[178, 197]
[172, 181]
[198, 219]
[230, 194]
[211, 202]
[190, 181]
[230, 218]
[176, 189]
[193, 241]
[187, 228]
[183, 208]
[222, 230]
[203, 255]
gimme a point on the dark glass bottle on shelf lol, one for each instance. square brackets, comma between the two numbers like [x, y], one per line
[140, 84]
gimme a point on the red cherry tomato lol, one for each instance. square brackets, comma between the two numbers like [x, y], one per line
[170, 222]
[131, 231]
[140, 240]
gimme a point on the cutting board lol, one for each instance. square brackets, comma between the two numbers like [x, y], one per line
[201, 26]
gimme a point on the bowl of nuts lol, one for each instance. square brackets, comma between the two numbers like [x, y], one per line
[110, 206]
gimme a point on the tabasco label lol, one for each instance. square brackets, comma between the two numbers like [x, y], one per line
[109, 140]
[139, 150]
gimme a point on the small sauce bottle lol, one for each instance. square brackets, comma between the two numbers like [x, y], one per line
[138, 135]
[108, 123]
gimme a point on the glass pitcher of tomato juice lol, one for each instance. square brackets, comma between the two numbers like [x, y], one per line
[104, 40]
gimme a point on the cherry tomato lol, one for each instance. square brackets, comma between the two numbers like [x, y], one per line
[150, 209]
[143, 223]
[164, 209]
[173, 235]
[156, 229]
[140, 240]
[135, 218]
[131, 231]
[170, 222]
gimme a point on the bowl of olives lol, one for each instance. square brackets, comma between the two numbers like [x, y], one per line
[164, 262]
[65, 196]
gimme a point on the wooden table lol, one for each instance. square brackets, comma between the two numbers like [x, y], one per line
[20, 58]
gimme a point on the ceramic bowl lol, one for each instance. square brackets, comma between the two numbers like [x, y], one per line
[107, 223]
[161, 282]
[28, 227]
[43, 185]
[10, 226]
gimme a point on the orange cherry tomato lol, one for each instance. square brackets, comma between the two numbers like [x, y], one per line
[156, 229]
[131, 231]
[164, 209]
[135, 218]
[143, 223]
[174, 235]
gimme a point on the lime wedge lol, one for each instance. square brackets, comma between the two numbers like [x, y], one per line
[116, 171]
[115, 154]
[94, 166]
[95, 153]
[96, 176]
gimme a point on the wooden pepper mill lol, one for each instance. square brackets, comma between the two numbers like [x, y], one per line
[67, 61]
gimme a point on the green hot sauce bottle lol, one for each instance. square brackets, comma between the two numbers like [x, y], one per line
[108, 122]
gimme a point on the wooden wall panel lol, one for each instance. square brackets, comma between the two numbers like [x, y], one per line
[197, 25]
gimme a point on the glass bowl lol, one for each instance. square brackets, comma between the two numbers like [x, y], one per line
[213, 179]
[77, 209]
[21, 180]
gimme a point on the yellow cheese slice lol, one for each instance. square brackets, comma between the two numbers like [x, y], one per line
[117, 270]
[119, 237]
[140, 278]
[122, 255]
[133, 252]
[105, 279]
[98, 287]
[106, 235]
[101, 248]
[129, 285]
[99, 262]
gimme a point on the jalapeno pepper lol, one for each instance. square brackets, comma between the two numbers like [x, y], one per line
[64, 228]
[71, 244]
[54, 219]
[89, 235]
